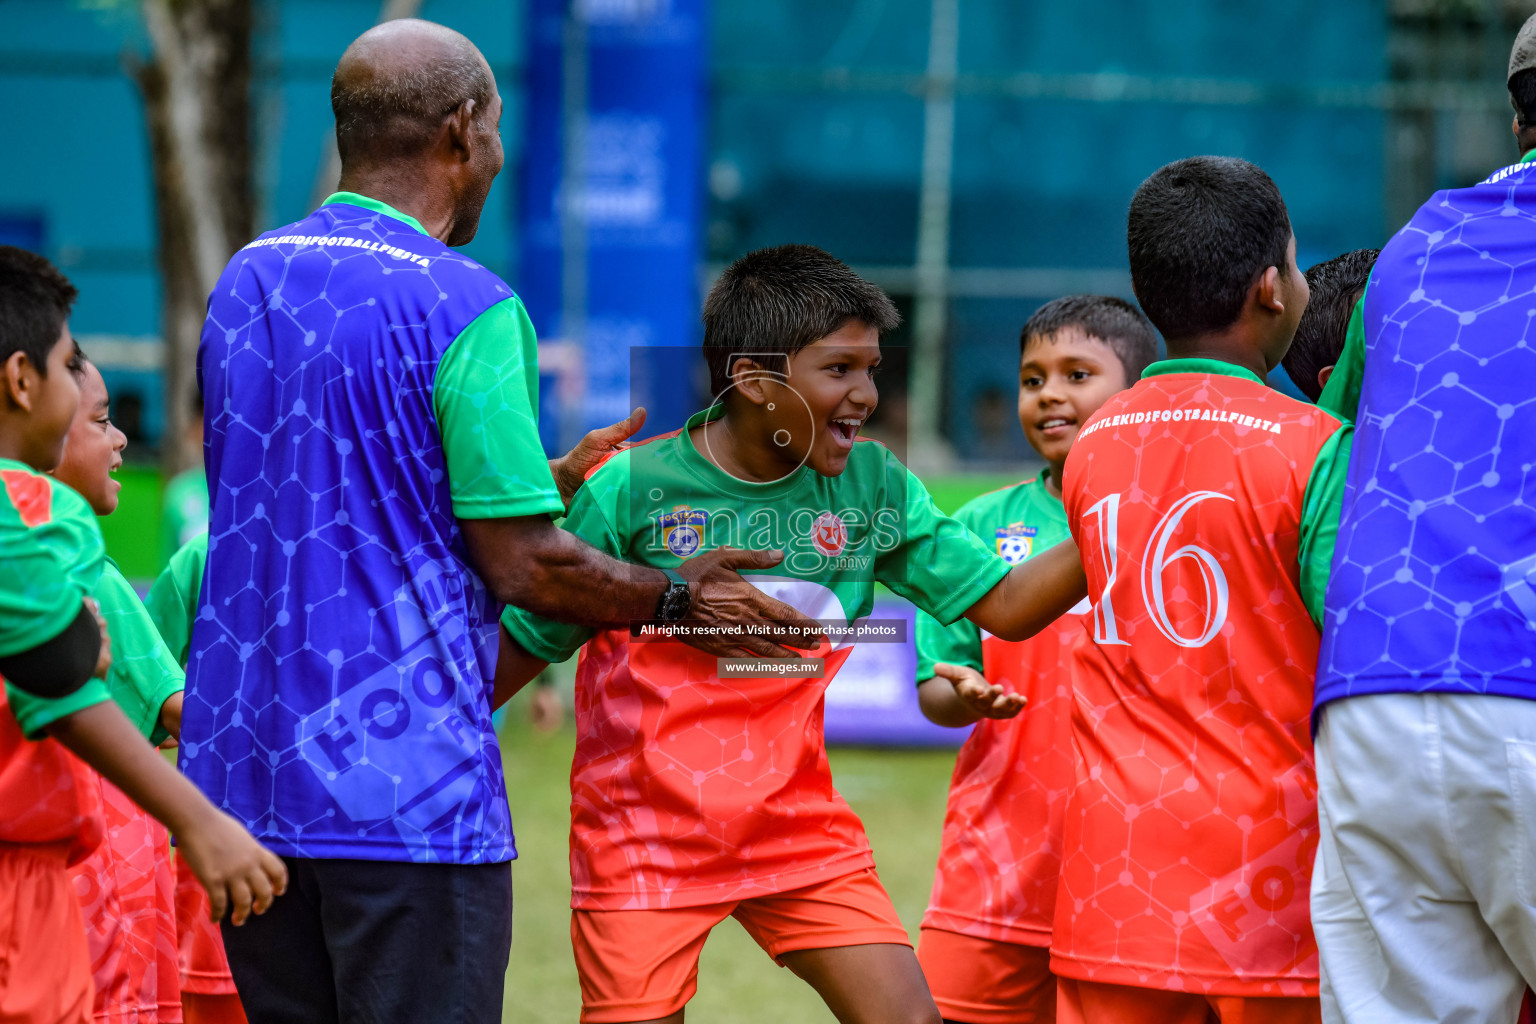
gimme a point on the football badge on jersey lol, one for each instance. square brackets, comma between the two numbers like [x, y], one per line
[829, 535]
[1016, 542]
[682, 530]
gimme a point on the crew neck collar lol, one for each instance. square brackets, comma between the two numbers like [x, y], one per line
[368, 203]
[1213, 366]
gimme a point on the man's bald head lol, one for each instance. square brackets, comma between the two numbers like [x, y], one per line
[397, 82]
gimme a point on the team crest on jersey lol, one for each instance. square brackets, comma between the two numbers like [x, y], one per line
[30, 495]
[682, 530]
[1015, 542]
[829, 535]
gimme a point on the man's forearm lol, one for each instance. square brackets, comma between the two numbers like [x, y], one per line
[545, 570]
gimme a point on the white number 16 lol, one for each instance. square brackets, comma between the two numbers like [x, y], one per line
[1154, 562]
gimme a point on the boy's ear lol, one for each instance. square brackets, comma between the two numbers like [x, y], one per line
[750, 379]
[1266, 290]
[1323, 375]
[20, 383]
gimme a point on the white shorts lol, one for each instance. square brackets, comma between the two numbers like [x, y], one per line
[1423, 893]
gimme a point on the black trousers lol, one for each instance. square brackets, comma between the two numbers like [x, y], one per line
[377, 942]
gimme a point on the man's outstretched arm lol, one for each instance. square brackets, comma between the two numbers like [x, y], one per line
[530, 562]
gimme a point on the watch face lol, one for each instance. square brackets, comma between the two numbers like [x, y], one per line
[674, 604]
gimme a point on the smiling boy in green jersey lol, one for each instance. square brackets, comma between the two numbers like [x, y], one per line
[701, 788]
[986, 936]
[53, 654]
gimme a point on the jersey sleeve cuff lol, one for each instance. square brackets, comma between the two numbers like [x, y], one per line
[974, 589]
[170, 685]
[513, 622]
[35, 714]
[540, 503]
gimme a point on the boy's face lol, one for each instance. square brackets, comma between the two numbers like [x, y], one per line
[47, 404]
[1291, 289]
[93, 450]
[816, 414]
[1063, 379]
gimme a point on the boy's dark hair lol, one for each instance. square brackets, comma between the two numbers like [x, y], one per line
[780, 300]
[1200, 232]
[1522, 96]
[35, 300]
[1113, 321]
[1336, 286]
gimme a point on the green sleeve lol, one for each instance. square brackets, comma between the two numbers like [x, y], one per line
[958, 643]
[51, 562]
[1320, 507]
[172, 600]
[935, 562]
[590, 520]
[486, 396]
[1341, 395]
[34, 714]
[144, 673]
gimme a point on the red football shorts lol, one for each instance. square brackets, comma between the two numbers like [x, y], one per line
[1088, 1002]
[45, 964]
[984, 981]
[642, 964]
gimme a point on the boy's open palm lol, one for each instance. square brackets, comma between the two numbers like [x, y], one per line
[985, 699]
[242, 876]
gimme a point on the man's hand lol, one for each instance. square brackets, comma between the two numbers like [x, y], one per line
[572, 468]
[979, 696]
[722, 597]
[104, 658]
[240, 874]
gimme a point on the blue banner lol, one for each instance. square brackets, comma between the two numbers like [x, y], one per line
[610, 269]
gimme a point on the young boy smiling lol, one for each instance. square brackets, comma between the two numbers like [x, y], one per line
[699, 793]
[125, 887]
[986, 935]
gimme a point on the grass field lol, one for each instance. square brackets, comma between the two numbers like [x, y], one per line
[899, 794]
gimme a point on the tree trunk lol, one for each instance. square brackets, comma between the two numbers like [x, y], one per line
[197, 100]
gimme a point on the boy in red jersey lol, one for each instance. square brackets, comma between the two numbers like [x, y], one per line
[1205, 505]
[125, 887]
[53, 655]
[700, 792]
[986, 935]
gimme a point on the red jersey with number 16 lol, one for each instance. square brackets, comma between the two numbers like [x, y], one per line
[1192, 822]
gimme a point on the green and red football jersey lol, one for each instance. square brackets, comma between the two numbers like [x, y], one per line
[691, 789]
[1001, 853]
[1205, 505]
[53, 559]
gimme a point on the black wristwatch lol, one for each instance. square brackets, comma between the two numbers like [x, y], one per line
[675, 600]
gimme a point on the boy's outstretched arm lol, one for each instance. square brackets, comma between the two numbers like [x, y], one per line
[515, 667]
[958, 695]
[1033, 595]
[239, 873]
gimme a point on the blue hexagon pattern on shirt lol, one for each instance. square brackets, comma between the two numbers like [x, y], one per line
[338, 690]
[1432, 584]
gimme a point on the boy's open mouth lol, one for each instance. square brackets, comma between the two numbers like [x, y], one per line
[1055, 426]
[844, 429]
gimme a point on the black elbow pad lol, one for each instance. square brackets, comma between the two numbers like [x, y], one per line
[62, 665]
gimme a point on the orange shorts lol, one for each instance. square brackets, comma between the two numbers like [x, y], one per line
[45, 963]
[643, 964]
[986, 981]
[1089, 1002]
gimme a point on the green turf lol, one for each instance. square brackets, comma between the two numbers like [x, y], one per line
[898, 793]
[132, 532]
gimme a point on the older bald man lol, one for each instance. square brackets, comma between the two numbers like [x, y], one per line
[378, 491]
